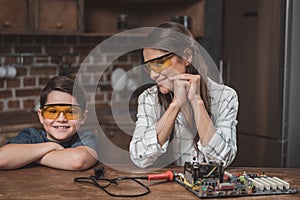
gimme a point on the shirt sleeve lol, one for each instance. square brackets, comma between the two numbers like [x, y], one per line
[28, 136]
[86, 138]
[144, 146]
[222, 146]
[33, 136]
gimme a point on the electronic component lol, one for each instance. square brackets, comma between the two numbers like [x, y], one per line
[206, 172]
[209, 180]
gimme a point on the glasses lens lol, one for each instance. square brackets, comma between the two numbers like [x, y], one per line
[71, 112]
[158, 65]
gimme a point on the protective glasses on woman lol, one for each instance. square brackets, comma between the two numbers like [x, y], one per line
[70, 111]
[159, 64]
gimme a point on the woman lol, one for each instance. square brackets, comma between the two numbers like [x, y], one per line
[186, 116]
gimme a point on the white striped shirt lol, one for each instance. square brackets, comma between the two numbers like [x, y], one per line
[145, 149]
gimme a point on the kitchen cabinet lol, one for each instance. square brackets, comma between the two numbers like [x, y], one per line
[41, 16]
[253, 58]
[103, 17]
[15, 16]
[93, 17]
[59, 16]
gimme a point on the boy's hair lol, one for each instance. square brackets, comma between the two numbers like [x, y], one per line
[64, 84]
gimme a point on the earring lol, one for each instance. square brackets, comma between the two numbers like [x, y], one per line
[188, 55]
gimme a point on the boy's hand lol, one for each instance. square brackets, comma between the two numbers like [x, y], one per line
[14, 156]
[56, 146]
[78, 158]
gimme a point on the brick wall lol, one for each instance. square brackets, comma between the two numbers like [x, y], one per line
[39, 57]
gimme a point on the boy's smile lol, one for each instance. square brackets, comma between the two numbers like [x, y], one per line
[63, 126]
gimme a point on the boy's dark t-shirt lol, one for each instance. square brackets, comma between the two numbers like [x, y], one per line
[34, 136]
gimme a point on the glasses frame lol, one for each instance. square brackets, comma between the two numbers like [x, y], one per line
[61, 104]
[161, 60]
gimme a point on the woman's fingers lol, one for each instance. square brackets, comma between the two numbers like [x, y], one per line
[191, 84]
[192, 78]
[181, 88]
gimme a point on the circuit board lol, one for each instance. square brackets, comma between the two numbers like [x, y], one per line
[208, 180]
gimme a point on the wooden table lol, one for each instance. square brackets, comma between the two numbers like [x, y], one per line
[46, 183]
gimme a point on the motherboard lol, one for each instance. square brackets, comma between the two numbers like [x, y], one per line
[209, 180]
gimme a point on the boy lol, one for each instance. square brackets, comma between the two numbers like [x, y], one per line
[58, 145]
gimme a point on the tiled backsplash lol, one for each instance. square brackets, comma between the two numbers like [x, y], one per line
[36, 58]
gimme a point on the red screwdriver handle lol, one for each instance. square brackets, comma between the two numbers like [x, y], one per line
[169, 175]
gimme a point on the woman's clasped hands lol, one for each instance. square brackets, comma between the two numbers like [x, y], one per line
[186, 88]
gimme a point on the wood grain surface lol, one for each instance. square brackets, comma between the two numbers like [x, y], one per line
[45, 183]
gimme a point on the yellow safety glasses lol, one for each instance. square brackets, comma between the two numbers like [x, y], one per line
[159, 64]
[52, 111]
